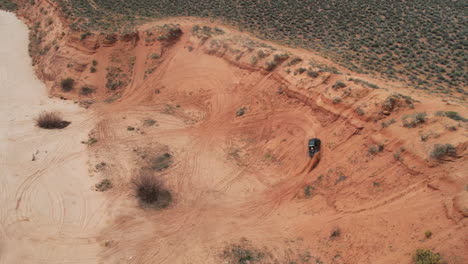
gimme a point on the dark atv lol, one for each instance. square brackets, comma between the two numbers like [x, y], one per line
[314, 146]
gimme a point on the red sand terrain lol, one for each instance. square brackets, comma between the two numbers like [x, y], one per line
[369, 197]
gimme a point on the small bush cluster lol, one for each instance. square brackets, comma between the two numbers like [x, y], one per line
[313, 74]
[67, 84]
[411, 121]
[104, 185]
[242, 253]
[51, 120]
[86, 90]
[441, 150]
[338, 85]
[374, 149]
[426, 256]
[452, 115]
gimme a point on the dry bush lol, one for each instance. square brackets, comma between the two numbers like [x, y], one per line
[151, 192]
[51, 120]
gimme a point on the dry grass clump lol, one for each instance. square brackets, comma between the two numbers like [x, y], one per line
[51, 120]
[151, 192]
[104, 185]
[426, 256]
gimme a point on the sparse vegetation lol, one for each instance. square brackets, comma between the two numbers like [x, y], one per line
[308, 191]
[242, 253]
[149, 122]
[441, 150]
[86, 90]
[388, 123]
[335, 234]
[374, 149]
[359, 111]
[162, 162]
[241, 111]
[452, 115]
[338, 85]
[428, 234]
[409, 40]
[426, 256]
[367, 84]
[51, 120]
[336, 100]
[67, 84]
[313, 74]
[104, 185]
[8, 5]
[151, 192]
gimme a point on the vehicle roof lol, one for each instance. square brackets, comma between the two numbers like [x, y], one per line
[314, 141]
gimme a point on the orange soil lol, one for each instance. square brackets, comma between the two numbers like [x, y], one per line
[246, 176]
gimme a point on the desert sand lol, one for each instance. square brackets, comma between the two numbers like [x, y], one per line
[233, 175]
[49, 212]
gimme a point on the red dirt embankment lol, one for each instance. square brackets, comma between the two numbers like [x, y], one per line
[236, 114]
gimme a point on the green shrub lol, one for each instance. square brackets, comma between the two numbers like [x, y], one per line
[104, 185]
[426, 256]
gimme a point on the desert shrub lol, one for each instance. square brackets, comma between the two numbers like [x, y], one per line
[414, 120]
[51, 120]
[67, 84]
[85, 35]
[368, 84]
[388, 123]
[270, 66]
[242, 253]
[241, 111]
[104, 185]
[162, 162]
[94, 62]
[454, 115]
[301, 70]
[151, 192]
[426, 256]
[374, 149]
[92, 69]
[338, 85]
[294, 61]
[253, 60]
[170, 32]
[389, 43]
[312, 74]
[335, 233]
[441, 150]
[428, 234]
[336, 100]
[85, 90]
[359, 111]
[8, 5]
[149, 122]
